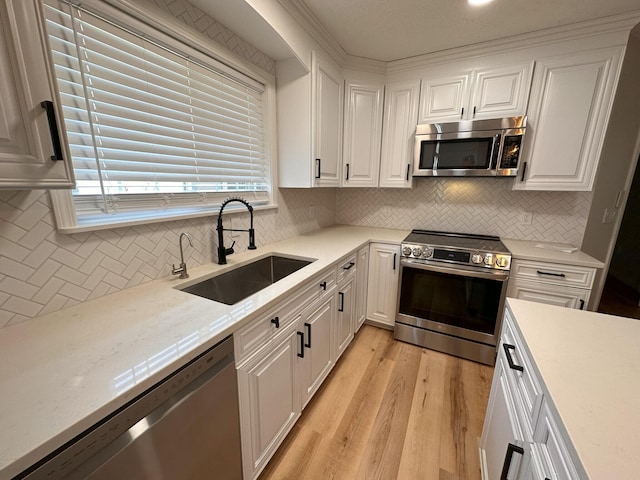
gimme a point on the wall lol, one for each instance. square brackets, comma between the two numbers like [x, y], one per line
[42, 271]
[472, 205]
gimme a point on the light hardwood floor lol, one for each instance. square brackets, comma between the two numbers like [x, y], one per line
[389, 410]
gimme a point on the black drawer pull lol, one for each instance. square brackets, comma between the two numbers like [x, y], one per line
[347, 172]
[348, 267]
[408, 171]
[341, 307]
[524, 171]
[581, 304]
[552, 274]
[318, 173]
[395, 256]
[511, 449]
[53, 130]
[324, 285]
[276, 321]
[301, 352]
[512, 365]
[308, 327]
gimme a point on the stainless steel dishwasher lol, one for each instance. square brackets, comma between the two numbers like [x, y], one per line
[185, 427]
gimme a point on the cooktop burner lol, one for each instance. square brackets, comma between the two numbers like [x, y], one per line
[482, 251]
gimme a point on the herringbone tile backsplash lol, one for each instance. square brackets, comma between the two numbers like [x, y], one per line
[470, 205]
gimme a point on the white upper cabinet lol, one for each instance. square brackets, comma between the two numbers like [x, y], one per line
[474, 95]
[399, 128]
[362, 132]
[571, 100]
[33, 147]
[309, 109]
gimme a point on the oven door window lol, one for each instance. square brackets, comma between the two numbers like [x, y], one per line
[451, 299]
[467, 153]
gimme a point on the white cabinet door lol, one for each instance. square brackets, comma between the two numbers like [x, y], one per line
[399, 128]
[561, 296]
[328, 85]
[501, 429]
[571, 98]
[362, 273]
[318, 360]
[501, 92]
[269, 401]
[491, 92]
[444, 99]
[362, 132]
[27, 153]
[345, 319]
[382, 292]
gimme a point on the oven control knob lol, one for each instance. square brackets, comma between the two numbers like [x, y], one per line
[428, 252]
[488, 259]
[417, 252]
[476, 258]
[406, 251]
[501, 262]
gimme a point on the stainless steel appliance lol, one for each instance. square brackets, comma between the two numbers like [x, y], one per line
[452, 292]
[185, 427]
[470, 148]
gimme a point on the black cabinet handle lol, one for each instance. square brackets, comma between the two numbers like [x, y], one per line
[512, 365]
[308, 327]
[276, 321]
[301, 352]
[511, 449]
[318, 167]
[324, 285]
[581, 304]
[53, 130]
[341, 307]
[552, 274]
[347, 171]
[474, 112]
[408, 170]
[462, 113]
[395, 256]
[348, 266]
[524, 171]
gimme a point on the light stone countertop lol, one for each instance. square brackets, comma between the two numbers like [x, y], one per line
[590, 365]
[63, 372]
[528, 250]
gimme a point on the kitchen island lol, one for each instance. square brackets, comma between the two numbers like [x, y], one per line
[587, 366]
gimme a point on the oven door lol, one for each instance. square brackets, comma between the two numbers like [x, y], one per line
[456, 300]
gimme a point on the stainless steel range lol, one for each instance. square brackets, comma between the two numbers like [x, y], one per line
[452, 292]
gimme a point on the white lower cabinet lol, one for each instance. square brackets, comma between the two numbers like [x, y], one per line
[317, 359]
[521, 438]
[362, 273]
[283, 357]
[382, 288]
[551, 283]
[269, 401]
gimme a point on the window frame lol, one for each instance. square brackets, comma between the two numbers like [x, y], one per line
[168, 30]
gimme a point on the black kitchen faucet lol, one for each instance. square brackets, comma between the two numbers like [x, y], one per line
[222, 251]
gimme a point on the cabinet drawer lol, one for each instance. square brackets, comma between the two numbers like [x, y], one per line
[553, 273]
[561, 296]
[346, 269]
[521, 376]
[257, 333]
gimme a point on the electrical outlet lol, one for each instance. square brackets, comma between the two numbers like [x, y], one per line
[609, 215]
[525, 218]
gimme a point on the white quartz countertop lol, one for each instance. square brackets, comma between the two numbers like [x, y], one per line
[63, 372]
[545, 252]
[590, 364]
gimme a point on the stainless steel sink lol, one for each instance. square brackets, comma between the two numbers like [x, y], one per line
[239, 283]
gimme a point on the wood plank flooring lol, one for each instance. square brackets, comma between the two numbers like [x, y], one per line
[389, 410]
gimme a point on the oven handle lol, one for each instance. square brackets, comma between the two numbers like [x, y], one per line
[491, 275]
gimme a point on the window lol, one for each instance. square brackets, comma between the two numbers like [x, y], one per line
[154, 131]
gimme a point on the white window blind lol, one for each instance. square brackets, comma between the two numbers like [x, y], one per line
[148, 127]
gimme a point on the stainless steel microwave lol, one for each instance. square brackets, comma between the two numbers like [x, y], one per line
[471, 148]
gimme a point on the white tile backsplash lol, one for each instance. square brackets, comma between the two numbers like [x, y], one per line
[472, 205]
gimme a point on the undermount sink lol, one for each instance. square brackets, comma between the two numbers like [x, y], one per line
[237, 284]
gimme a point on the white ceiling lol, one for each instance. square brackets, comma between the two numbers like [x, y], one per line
[393, 29]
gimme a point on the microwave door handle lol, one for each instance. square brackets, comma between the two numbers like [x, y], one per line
[495, 150]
